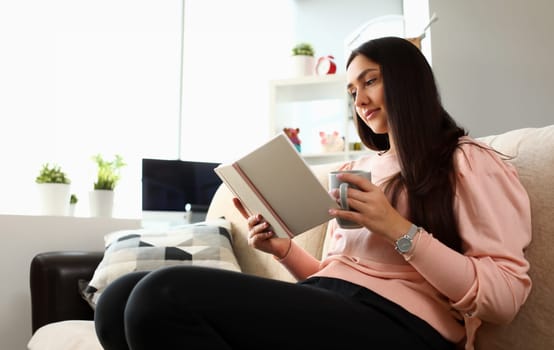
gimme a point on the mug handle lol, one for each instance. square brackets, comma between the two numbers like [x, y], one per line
[343, 196]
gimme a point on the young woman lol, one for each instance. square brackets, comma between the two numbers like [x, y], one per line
[445, 225]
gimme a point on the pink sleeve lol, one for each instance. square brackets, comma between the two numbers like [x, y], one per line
[299, 262]
[490, 280]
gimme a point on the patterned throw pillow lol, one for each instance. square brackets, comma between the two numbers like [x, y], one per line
[206, 244]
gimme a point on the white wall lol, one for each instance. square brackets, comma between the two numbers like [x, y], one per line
[326, 23]
[493, 62]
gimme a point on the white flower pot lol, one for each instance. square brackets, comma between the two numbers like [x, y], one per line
[302, 65]
[54, 198]
[72, 209]
[101, 203]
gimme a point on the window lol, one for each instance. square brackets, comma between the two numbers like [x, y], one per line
[82, 78]
[230, 54]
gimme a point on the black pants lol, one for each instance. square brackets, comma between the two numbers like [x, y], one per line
[186, 307]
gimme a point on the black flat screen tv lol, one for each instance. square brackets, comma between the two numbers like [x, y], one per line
[178, 185]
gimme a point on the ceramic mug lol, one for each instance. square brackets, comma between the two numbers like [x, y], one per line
[336, 183]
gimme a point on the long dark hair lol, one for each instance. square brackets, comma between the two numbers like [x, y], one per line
[425, 136]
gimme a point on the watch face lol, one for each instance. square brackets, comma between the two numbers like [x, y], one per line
[404, 244]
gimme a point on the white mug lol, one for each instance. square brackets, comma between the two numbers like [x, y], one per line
[335, 182]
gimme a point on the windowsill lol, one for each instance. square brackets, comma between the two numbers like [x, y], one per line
[149, 219]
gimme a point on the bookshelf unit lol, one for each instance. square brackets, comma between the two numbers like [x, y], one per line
[313, 104]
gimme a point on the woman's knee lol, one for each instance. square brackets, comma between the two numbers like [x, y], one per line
[155, 289]
[165, 290]
[110, 307]
[115, 295]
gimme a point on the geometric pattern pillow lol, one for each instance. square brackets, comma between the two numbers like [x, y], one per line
[204, 244]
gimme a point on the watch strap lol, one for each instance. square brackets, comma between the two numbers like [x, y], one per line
[412, 232]
[404, 244]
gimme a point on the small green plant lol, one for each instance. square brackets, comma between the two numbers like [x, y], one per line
[304, 49]
[73, 199]
[108, 172]
[52, 174]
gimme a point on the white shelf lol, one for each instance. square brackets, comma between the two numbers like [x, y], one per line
[322, 158]
[315, 103]
[311, 79]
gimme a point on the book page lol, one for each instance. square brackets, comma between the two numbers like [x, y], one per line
[284, 179]
[249, 199]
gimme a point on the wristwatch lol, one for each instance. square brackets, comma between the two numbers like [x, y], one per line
[405, 243]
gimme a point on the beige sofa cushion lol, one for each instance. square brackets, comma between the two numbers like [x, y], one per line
[65, 335]
[533, 149]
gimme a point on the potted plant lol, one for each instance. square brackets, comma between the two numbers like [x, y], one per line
[54, 190]
[303, 49]
[303, 61]
[108, 174]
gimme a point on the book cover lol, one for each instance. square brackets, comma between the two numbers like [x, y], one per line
[275, 181]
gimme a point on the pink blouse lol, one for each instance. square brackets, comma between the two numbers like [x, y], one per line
[488, 282]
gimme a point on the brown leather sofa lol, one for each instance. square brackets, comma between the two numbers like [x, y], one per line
[54, 280]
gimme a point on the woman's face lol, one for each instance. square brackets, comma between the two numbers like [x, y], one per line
[365, 85]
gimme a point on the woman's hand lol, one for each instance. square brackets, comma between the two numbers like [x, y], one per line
[260, 235]
[373, 209]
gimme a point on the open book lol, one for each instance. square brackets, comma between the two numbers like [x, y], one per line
[275, 181]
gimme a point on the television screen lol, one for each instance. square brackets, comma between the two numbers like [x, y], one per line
[172, 185]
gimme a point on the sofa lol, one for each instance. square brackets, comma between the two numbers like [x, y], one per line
[61, 319]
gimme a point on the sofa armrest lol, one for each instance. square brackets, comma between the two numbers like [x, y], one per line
[54, 286]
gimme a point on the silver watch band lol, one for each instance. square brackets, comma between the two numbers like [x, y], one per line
[404, 244]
